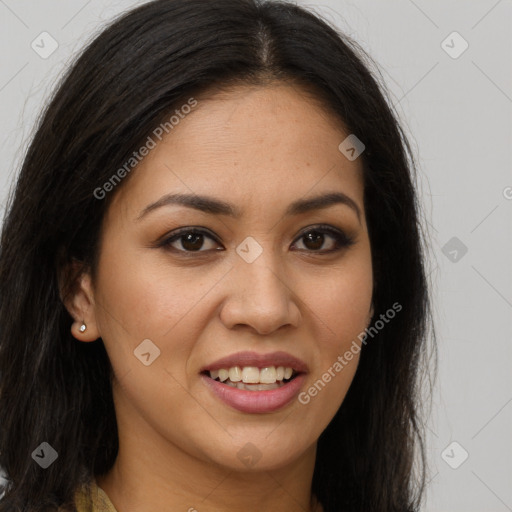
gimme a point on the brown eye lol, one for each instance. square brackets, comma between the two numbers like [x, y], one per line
[190, 240]
[314, 239]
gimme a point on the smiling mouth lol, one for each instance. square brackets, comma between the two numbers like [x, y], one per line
[252, 378]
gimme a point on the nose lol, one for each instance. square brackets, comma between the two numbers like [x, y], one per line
[260, 297]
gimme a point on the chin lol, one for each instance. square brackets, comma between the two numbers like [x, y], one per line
[254, 453]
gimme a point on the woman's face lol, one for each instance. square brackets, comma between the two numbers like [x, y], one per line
[273, 285]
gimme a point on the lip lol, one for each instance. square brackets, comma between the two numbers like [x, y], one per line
[242, 359]
[255, 402]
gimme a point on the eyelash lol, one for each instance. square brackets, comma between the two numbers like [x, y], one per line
[342, 240]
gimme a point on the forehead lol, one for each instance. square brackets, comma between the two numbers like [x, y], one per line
[254, 146]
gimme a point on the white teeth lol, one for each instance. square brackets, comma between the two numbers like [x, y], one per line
[268, 375]
[235, 374]
[250, 375]
[254, 387]
[239, 377]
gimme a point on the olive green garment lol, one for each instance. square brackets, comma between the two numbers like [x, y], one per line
[100, 501]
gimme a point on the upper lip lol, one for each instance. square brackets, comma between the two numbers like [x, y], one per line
[242, 359]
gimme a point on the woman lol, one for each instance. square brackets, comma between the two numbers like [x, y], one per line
[213, 287]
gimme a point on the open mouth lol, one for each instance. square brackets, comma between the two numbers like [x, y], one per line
[252, 378]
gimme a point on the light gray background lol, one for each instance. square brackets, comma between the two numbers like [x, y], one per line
[458, 114]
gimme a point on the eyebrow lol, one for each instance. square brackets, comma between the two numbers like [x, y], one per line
[214, 206]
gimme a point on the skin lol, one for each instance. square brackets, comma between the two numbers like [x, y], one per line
[258, 148]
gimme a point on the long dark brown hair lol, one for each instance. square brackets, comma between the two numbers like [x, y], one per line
[144, 65]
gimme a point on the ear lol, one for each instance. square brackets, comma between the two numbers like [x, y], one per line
[77, 295]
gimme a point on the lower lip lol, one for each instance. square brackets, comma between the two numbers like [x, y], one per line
[256, 401]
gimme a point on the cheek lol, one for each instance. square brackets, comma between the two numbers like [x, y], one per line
[142, 299]
[145, 298]
[340, 302]
[339, 306]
